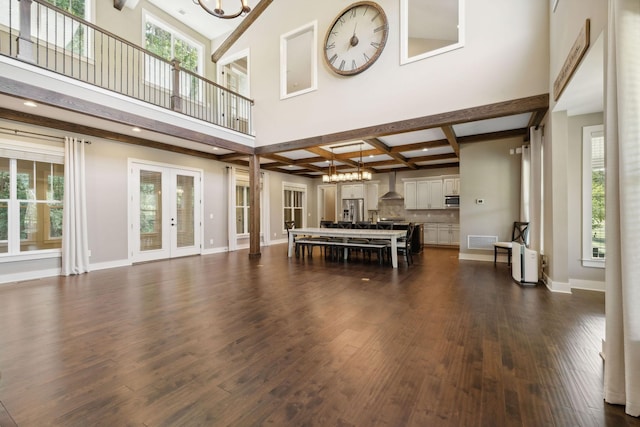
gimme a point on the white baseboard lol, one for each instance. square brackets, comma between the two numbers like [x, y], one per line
[212, 251]
[29, 275]
[109, 264]
[280, 241]
[560, 287]
[482, 257]
[587, 285]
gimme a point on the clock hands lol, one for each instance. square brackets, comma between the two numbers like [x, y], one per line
[353, 41]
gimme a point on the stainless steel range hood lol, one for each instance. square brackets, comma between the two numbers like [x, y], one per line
[392, 194]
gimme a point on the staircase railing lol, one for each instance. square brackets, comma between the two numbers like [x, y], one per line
[39, 33]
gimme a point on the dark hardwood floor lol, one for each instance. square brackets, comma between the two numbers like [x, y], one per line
[227, 340]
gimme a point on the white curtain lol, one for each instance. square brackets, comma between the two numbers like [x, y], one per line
[525, 185]
[75, 246]
[530, 186]
[622, 128]
[231, 224]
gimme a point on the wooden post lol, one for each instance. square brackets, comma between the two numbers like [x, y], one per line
[25, 44]
[254, 203]
[176, 101]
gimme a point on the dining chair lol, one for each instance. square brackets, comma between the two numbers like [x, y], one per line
[519, 234]
[404, 245]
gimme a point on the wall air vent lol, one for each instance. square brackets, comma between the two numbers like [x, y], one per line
[484, 243]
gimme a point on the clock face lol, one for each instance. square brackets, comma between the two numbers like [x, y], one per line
[356, 38]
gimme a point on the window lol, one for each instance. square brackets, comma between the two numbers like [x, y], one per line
[298, 61]
[429, 28]
[242, 209]
[294, 197]
[593, 210]
[55, 29]
[31, 194]
[168, 44]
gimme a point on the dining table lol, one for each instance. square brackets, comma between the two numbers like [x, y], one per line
[350, 233]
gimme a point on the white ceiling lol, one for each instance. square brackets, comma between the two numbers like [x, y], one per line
[197, 18]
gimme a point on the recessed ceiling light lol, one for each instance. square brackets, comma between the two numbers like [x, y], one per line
[30, 104]
[136, 129]
[425, 149]
[371, 156]
[215, 148]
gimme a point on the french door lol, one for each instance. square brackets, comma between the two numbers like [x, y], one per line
[165, 212]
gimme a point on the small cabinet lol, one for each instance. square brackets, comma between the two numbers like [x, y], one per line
[451, 186]
[424, 194]
[431, 234]
[442, 234]
[448, 234]
[371, 196]
[352, 191]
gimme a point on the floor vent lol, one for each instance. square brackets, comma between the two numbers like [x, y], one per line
[481, 242]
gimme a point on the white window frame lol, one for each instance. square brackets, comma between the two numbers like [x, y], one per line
[20, 150]
[587, 255]
[166, 80]
[404, 35]
[246, 206]
[312, 51]
[292, 186]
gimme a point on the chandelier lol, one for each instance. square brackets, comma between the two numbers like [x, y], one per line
[218, 12]
[360, 175]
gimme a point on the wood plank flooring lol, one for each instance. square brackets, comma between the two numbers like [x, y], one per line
[228, 340]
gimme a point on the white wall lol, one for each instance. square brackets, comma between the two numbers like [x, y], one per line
[107, 183]
[505, 57]
[565, 25]
[488, 171]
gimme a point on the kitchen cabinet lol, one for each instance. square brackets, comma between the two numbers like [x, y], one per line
[448, 234]
[442, 234]
[372, 196]
[431, 234]
[352, 191]
[423, 194]
[451, 186]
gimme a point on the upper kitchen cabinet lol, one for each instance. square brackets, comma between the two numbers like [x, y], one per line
[451, 186]
[352, 191]
[371, 198]
[423, 194]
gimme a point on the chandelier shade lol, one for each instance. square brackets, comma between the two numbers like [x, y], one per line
[214, 7]
[360, 175]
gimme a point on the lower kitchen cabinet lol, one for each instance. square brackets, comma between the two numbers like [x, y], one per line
[431, 234]
[442, 234]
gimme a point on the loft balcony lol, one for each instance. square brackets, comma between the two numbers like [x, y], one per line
[37, 33]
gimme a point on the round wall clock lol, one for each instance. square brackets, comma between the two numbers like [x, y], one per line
[356, 38]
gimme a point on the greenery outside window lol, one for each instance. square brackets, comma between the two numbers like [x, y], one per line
[31, 202]
[169, 44]
[66, 33]
[242, 209]
[294, 197]
[593, 206]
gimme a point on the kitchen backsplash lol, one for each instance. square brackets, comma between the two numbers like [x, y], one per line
[395, 209]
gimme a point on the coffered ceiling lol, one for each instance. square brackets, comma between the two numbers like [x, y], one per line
[420, 143]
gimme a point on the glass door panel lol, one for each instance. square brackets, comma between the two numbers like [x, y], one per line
[150, 210]
[165, 212]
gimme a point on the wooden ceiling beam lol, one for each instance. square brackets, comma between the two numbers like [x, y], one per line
[32, 119]
[375, 142]
[119, 4]
[484, 112]
[491, 136]
[446, 156]
[451, 137]
[240, 29]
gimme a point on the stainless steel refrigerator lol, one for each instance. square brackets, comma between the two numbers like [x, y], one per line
[352, 210]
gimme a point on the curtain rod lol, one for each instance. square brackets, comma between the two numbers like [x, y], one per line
[34, 135]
